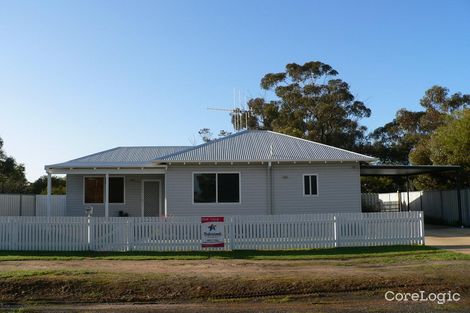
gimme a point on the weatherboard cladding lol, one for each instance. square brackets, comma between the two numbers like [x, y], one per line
[255, 145]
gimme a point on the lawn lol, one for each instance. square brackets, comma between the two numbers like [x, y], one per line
[381, 254]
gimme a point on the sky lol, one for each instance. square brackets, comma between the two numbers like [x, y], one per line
[78, 77]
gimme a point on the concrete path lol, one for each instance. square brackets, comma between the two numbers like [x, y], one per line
[449, 238]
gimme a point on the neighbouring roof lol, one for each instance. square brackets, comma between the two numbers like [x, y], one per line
[405, 170]
[121, 156]
[244, 146]
[259, 145]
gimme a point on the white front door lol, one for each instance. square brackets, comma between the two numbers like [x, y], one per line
[151, 198]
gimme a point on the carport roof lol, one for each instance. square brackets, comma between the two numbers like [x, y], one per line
[405, 170]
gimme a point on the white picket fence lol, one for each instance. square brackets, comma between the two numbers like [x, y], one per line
[267, 232]
[31, 205]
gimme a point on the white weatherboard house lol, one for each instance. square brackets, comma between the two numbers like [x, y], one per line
[252, 172]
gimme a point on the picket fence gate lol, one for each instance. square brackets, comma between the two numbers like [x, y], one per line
[267, 232]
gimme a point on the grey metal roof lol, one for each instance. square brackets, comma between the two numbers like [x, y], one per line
[121, 156]
[258, 145]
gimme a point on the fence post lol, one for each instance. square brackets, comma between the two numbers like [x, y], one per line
[421, 227]
[130, 233]
[335, 228]
[231, 235]
[89, 233]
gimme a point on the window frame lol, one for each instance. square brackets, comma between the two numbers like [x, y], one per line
[217, 188]
[104, 189]
[303, 186]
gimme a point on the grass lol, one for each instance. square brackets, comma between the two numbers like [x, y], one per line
[384, 254]
[33, 273]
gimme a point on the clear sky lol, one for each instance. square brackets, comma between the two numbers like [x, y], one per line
[77, 77]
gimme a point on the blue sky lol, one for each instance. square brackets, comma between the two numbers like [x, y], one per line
[77, 77]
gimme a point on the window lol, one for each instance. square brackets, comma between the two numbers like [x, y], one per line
[228, 188]
[94, 192]
[204, 188]
[310, 185]
[116, 190]
[216, 188]
[94, 189]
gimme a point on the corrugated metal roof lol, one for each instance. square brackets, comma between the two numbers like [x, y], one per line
[122, 156]
[249, 145]
[258, 145]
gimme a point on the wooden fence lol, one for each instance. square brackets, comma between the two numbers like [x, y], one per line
[267, 232]
[437, 205]
[31, 205]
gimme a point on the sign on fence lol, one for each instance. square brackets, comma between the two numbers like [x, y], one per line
[212, 231]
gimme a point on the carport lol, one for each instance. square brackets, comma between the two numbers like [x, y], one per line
[408, 171]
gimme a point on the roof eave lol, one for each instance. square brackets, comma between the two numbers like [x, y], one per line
[99, 165]
[268, 160]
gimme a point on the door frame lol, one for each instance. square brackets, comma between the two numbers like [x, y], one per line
[142, 194]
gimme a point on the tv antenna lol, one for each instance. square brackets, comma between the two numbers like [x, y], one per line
[239, 114]
[239, 117]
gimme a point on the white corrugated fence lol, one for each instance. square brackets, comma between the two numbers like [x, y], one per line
[267, 232]
[437, 205]
[31, 205]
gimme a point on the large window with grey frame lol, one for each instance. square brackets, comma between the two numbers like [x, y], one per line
[94, 189]
[216, 187]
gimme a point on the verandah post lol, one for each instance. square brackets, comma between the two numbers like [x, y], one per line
[49, 193]
[106, 196]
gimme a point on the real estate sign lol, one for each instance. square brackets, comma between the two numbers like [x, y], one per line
[212, 228]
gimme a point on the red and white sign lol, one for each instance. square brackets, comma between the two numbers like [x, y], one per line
[212, 231]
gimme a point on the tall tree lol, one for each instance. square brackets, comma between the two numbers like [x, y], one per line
[12, 174]
[439, 107]
[310, 103]
[407, 139]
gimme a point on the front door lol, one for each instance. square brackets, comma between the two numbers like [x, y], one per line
[151, 198]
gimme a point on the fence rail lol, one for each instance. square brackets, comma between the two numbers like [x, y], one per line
[184, 233]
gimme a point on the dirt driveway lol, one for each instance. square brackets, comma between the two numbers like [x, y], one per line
[450, 238]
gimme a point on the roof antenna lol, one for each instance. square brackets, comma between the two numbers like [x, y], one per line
[239, 113]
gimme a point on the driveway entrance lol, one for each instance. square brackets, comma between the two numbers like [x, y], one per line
[449, 238]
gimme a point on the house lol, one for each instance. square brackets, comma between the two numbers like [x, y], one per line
[251, 172]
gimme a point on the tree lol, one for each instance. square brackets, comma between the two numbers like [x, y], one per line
[207, 135]
[310, 103]
[12, 174]
[407, 138]
[392, 142]
[450, 144]
[40, 186]
[439, 109]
